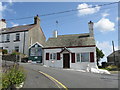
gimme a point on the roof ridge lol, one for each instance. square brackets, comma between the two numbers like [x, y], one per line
[73, 34]
[18, 26]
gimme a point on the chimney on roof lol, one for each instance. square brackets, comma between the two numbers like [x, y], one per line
[55, 33]
[2, 23]
[37, 20]
[90, 24]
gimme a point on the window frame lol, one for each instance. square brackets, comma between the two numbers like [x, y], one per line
[17, 37]
[52, 56]
[88, 56]
[79, 57]
[17, 48]
[8, 37]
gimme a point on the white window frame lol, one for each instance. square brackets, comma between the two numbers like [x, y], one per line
[79, 58]
[89, 56]
[17, 35]
[52, 56]
[8, 37]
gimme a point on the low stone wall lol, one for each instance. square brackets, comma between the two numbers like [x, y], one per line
[9, 57]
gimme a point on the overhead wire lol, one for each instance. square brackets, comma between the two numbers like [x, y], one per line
[61, 12]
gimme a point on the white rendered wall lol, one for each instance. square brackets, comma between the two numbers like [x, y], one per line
[76, 65]
[11, 45]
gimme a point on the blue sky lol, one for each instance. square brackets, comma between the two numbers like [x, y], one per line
[105, 19]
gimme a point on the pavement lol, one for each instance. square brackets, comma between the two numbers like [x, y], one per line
[68, 78]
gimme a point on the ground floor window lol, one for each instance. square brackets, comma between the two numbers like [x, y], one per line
[17, 48]
[78, 57]
[82, 57]
[53, 56]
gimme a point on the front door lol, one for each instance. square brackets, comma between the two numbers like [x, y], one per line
[66, 60]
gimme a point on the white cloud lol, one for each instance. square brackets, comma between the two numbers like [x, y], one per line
[14, 24]
[10, 2]
[87, 9]
[105, 14]
[2, 8]
[106, 47]
[104, 25]
[117, 18]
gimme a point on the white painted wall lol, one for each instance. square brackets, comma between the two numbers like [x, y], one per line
[76, 65]
[11, 45]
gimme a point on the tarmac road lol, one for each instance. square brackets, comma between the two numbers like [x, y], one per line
[68, 78]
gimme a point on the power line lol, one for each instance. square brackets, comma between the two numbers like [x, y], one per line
[61, 12]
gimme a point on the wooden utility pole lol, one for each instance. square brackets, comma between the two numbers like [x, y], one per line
[113, 52]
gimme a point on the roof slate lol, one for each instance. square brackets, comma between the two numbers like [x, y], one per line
[70, 40]
[18, 28]
[117, 53]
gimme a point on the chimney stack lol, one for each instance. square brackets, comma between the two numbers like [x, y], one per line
[90, 24]
[55, 33]
[2, 23]
[37, 20]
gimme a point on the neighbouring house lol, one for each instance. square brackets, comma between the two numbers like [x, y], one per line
[21, 38]
[115, 56]
[77, 51]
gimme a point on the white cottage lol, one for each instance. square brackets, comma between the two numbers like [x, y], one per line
[77, 51]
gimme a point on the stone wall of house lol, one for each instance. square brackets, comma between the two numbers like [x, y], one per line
[36, 35]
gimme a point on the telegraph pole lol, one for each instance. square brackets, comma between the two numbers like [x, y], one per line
[113, 52]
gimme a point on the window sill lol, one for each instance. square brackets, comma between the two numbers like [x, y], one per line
[16, 40]
[6, 41]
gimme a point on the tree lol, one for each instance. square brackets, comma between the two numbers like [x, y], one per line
[99, 55]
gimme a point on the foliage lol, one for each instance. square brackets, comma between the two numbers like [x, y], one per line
[99, 54]
[14, 76]
[4, 51]
[112, 68]
[15, 53]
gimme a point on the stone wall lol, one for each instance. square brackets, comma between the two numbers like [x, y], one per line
[9, 57]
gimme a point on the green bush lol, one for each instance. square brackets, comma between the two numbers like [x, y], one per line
[14, 76]
[4, 51]
[15, 53]
[112, 68]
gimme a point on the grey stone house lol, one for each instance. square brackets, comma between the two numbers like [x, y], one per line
[115, 56]
[20, 38]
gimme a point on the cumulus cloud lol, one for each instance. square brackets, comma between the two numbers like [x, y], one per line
[106, 47]
[2, 8]
[86, 9]
[104, 25]
[14, 24]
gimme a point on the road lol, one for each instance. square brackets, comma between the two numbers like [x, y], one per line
[69, 78]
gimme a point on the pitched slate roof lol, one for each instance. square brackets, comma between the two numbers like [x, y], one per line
[70, 40]
[18, 28]
[117, 53]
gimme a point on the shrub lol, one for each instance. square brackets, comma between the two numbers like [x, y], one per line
[112, 68]
[14, 76]
[4, 51]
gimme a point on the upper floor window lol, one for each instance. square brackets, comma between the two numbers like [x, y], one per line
[8, 37]
[17, 36]
[2, 37]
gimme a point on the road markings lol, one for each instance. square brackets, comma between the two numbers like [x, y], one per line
[54, 80]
